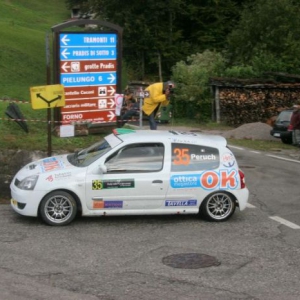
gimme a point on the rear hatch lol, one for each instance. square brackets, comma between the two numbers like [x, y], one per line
[283, 121]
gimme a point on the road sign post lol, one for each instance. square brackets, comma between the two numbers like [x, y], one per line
[88, 64]
[47, 97]
[141, 102]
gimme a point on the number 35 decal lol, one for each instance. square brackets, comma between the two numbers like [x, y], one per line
[182, 156]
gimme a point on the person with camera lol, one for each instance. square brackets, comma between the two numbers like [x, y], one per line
[156, 95]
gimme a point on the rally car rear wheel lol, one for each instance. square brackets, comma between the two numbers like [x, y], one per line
[58, 208]
[218, 207]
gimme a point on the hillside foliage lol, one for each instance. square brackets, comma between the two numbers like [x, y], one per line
[178, 38]
[23, 29]
[186, 40]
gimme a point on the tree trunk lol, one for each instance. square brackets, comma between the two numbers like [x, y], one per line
[159, 67]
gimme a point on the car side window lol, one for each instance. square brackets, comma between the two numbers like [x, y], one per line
[141, 157]
[187, 157]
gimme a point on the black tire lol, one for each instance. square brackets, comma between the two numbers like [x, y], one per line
[287, 140]
[218, 207]
[58, 208]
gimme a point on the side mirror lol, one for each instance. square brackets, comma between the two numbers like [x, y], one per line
[103, 169]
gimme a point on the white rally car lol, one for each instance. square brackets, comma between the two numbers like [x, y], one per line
[131, 172]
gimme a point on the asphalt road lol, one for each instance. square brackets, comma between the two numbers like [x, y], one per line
[254, 255]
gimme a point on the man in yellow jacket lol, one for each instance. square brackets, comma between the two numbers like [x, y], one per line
[155, 95]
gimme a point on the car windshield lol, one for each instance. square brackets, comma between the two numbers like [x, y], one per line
[284, 116]
[87, 156]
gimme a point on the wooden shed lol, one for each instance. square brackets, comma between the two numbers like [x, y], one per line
[240, 101]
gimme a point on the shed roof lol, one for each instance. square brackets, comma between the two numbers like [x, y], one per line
[272, 80]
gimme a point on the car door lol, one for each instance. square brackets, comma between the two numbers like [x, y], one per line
[136, 179]
[192, 175]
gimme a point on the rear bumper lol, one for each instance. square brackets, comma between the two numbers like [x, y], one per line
[281, 134]
[242, 197]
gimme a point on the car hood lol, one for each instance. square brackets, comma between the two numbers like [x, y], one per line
[45, 166]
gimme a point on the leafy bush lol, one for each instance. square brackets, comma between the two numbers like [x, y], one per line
[193, 96]
[241, 72]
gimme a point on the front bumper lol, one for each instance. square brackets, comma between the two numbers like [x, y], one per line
[25, 203]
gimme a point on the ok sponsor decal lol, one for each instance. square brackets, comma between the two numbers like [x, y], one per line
[208, 180]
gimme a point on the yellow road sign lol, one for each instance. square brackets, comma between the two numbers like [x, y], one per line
[47, 96]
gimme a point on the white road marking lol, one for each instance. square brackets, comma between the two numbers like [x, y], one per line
[269, 155]
[282, 158]
[285, 222]
[236, 147]
[275, 218]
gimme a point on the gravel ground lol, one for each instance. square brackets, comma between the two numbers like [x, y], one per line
[250, 131]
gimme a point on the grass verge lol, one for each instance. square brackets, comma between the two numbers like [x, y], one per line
[37, 138]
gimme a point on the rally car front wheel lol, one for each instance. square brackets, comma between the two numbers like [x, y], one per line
[58, 208]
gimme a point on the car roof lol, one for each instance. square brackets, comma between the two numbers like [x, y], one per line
[288, 109]
[172, 135]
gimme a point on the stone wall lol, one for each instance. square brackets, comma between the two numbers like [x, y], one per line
[11, 161]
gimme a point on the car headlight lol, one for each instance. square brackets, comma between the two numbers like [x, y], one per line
[27, 183]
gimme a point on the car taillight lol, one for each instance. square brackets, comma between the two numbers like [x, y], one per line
[290, 128]
[242, 178]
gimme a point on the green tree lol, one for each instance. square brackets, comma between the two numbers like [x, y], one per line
[207, 23]
[157, 34]
[193, 95]
[150, 38]
[267, 37]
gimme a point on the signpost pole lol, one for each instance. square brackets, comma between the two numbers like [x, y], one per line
[48, 82]
[49, 132]
[141, 100]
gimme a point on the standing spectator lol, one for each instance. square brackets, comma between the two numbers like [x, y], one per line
[130, 108]
[156, 94]
[295, 122]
